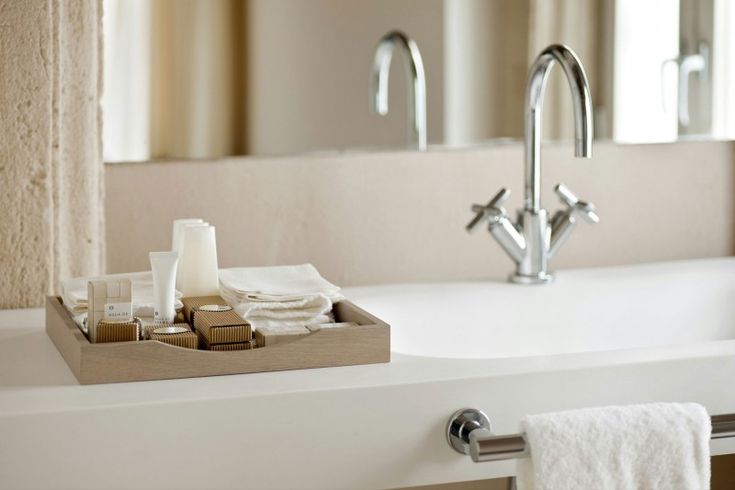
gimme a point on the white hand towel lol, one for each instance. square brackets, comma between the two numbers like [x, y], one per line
[278, 283]
[307, 307]
[261, 322]
[281, 296]
[654, 446]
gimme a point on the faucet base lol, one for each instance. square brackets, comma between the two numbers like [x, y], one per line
[540, 278]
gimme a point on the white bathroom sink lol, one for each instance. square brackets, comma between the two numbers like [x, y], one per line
[395, 411]
[584, 310]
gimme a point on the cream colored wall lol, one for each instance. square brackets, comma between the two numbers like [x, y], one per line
[51, 181]
[391, 217]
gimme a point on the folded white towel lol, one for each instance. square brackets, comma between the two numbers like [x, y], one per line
[74, 292]
[307, 307]
[281, 296]
[653, 446]
[278, 283]
[261, 322]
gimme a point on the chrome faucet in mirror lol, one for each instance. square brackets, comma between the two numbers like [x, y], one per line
[416, 85]
[535, 239]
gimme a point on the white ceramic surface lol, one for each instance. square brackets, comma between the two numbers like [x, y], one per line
[675, 303]
[383, 425]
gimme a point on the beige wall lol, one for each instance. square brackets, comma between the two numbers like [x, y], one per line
[50, 160]
[390, 217]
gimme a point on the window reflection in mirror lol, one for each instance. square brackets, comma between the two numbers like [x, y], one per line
[210, 78]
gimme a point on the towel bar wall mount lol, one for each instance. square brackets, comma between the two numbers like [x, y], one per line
[469, 432]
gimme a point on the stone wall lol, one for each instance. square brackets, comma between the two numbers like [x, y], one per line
[51, 172]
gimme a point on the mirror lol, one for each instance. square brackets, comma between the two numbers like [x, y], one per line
[210, 78]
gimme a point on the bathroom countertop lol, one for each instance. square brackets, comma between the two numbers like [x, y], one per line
[377, 426]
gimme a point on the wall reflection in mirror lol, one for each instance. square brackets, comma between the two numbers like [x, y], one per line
[210, 78]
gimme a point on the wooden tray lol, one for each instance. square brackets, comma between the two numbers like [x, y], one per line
[366, 343]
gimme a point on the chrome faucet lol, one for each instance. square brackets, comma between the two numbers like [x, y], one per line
[417, 84]
[535, 239]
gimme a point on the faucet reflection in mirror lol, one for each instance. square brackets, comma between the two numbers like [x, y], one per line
[416, 84]
[534, 239]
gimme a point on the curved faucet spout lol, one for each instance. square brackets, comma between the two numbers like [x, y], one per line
[417, 83]
[536, 237]
[582, 105]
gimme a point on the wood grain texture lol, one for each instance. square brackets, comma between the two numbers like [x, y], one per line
[723, 472]
[367, 343]
[68, 341]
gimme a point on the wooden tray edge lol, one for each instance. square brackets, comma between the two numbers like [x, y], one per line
[152, 360]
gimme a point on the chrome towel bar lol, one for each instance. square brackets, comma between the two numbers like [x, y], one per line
[469, 432]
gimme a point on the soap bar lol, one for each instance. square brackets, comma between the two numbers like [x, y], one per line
[109, 331]
[99, 293]
[220, 327]
[232, 346]
[187, 339]
[266, 336]
[193, 302]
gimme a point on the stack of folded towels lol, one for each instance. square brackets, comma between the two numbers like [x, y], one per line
[281, 296]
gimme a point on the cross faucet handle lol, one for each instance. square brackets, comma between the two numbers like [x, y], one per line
[492, 211]
[586, 209]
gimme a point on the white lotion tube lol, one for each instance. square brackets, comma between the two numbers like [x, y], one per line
[163, 265]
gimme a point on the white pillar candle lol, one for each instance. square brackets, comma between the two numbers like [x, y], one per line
[177, 241]
[198, 265]
[177, 234]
